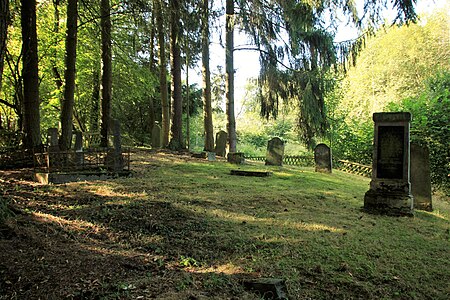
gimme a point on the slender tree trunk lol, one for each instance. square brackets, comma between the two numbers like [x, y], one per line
[106, 88]
[95, 97]
[163, 74]
[4, 22]
[32, 124]
[54, 58]
[69, 75]
[229, 70]
[207, 109]
[188, 104]
[177, 100]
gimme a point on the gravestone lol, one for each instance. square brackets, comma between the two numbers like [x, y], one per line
[221, 143]
[390, 188]
[236, 158]
[211, 156]
[322, 158]
[156, 136]
[52, 139]
[79, 159]
[114, 158]
[421, 177]
[275, 152]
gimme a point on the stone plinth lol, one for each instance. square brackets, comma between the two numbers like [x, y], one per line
[390, 188]
[275, 152]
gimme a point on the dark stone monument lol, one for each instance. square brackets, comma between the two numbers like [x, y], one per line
[421, 177]
[221, 143]
[156, 136]
[275, 152]
[236, 158]
[52, 139]
[322, 158]
[79, 158]
[268, 288]
[390, 188]
[114, 158]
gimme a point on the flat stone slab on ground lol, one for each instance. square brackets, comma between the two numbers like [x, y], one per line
[250, 173]
[65, 177]
[268, 288]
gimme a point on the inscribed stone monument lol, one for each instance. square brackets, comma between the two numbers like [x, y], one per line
[156, 136]
[390, 188]
[221, 143]
[275, 152]
[421, 177]
[52, 138]
[322, 158]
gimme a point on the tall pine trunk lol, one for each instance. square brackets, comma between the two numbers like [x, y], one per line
[4, 22]
[163, 73]
[106, 88]
[69, 75]
[177, 100]
[229, 71]
[207, 109]
[32, 124]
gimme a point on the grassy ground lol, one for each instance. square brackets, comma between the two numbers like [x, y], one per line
[183, 228]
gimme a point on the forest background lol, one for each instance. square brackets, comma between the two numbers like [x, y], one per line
[386, 68]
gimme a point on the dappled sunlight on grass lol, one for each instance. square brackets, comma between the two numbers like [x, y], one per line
[227, 269]
[79, 226]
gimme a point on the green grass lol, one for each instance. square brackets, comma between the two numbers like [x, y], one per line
[213, 229]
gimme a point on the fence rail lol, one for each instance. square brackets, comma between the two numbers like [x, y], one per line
[308, 161]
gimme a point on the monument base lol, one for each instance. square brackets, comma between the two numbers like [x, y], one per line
[389, 203]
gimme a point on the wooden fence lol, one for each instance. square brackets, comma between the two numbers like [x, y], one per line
[308, 161]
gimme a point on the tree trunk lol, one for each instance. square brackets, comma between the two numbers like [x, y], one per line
[4, 22]
[69, 75]
[177, 100]
[163, 74]
[32, 124]
[106, 88]
[188, 104]
[54, 57]
[229, 70]
[95, 98]
[207, 109]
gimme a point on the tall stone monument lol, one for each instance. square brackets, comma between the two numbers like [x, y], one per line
[221, 143]
[390, 187]
[156, 136]
[322, 158]
[275, 152]
[421, 177]
[52, 138]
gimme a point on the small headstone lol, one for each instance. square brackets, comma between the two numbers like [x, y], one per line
[390, 188]
[52, 138]
[221, 143]
[421, 177]
[322, 158]
[156, 136]
[211, 156]
[275, 152]
[236, 158]
[79, 159]
[268, 288]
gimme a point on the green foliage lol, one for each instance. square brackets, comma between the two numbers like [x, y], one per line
[431, 124]
[4, 210]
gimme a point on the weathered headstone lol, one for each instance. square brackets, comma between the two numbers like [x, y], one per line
[221, 143]
[236, 158]
[79, 158]
[268, 288]
[421, 177]
[211, 156]
[156, 136]
[52, 139]
[322, 158]
[114, 159]
[275, 152]
[390, 188]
